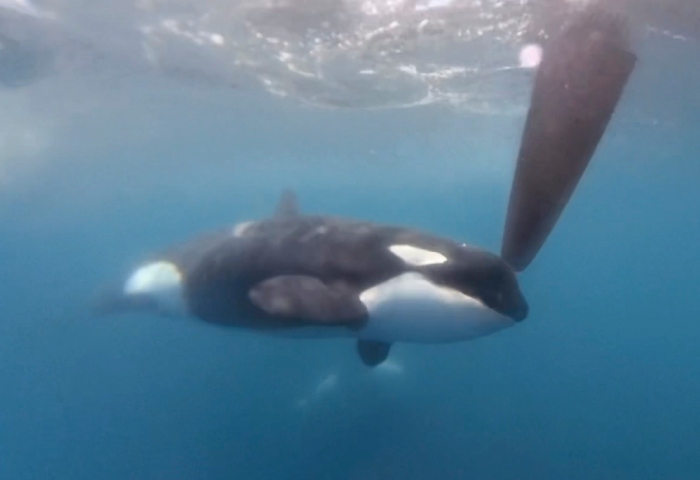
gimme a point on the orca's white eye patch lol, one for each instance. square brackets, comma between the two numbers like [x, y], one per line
[154, 278]
[417, 256]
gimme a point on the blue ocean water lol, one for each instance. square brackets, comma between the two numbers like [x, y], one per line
[601, 381]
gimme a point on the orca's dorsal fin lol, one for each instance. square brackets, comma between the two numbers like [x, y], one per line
[288, 205]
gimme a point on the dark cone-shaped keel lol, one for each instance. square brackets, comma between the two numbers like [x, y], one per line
[577, 87]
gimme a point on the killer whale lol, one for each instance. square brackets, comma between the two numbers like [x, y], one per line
[314, 276]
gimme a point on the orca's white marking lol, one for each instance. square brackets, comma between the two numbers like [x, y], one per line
[410, 308]
[240, 228]
[417, 256]
[161, 281]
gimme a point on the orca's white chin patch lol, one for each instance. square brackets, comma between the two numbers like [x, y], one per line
[410, 308]
[161, 281]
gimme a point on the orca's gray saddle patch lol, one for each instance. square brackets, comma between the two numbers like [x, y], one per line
[304, 298]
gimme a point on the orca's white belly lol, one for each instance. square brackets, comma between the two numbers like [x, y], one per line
[410, 308]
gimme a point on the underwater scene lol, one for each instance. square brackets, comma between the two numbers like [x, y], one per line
[349, 239]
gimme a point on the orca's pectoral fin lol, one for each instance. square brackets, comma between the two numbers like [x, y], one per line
[373, 352]
[288, 204]
[307, 299]
[578, 84]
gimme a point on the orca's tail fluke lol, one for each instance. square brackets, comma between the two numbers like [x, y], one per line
[577, 86]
